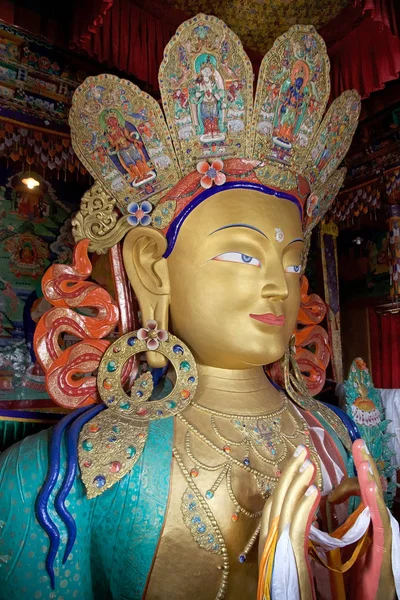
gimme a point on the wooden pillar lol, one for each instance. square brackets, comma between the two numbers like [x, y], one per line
[329, 233]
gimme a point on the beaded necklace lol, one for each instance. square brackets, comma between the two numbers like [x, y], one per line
[259, 432]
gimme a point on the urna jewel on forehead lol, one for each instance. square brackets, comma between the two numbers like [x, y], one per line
[149, 170]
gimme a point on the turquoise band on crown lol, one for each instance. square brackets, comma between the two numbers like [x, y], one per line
[174, 228]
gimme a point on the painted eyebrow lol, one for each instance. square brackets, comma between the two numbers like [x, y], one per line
[296, 240]
[239, 225]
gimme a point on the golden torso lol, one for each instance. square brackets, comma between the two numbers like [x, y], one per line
[237, 478]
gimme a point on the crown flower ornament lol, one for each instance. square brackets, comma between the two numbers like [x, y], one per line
[211, 173]
[139, 214]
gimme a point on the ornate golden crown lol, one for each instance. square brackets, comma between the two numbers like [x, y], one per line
[147, 171]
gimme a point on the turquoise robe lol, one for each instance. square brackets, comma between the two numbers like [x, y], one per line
[117, 532]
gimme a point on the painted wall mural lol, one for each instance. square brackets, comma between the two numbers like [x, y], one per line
[35, 230]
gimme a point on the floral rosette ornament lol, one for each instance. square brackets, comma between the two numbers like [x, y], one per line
[211, 173]
[151, 335]
[139, 214]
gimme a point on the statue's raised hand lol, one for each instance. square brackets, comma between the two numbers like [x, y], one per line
[374, 576]
[294, 502]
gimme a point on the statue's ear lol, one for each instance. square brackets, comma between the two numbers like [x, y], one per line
[148, 273]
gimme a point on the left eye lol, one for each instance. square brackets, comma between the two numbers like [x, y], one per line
[238, 258]
[293, 269]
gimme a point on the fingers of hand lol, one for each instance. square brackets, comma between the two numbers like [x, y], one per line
[265, 525]
[348, 487]
[304, 515]
[372, 497]
[362, 454]
[299, 532]
[300, 482]
[290, 470]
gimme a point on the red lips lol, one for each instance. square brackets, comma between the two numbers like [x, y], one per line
[270, 319]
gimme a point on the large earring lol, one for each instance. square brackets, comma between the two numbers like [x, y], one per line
[294, 382]
[298, 392]
[111, 443]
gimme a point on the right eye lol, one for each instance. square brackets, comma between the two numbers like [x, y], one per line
[238, 257]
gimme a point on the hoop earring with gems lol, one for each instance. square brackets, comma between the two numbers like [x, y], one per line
[298, 392]
[111, 443]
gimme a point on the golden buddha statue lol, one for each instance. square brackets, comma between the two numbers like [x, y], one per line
[208, 484]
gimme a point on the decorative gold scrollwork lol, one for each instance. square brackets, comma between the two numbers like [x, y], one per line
[99, 221]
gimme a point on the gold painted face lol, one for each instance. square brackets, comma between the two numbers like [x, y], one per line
[235, 279]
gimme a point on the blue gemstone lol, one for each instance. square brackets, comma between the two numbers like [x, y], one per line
[178, 349]
[242, 558]
[132, 341]
[201, 528]
[159, 413]
[210, 539]
[246, 461]
[196, 519]
[112, 438]
[170, 404]
[157, 220]
[215, 547]
[192, 506]
[139, 394]
[99, 481]
[111, 400]
[124, 404]
[116, 429]
[209, 494]
[191, 379]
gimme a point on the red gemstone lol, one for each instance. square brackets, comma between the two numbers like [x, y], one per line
[93, 428]
[142, 412]
[227, 449]
[87, 464]
[235, 517]
[194, 473]
[115, 466]
[185, 394]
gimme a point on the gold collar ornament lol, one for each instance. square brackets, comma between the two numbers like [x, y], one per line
[111, 443]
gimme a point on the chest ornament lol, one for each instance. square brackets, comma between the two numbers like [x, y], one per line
[112, 442]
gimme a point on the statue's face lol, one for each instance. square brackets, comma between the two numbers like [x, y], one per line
[234, 282]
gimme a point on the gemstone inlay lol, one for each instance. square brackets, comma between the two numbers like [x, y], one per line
[130, 451]
[99, 481]
[112, 366]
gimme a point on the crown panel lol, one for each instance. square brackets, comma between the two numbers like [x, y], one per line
[292, 92]
[206, 83]
[119, 134]
[333, 138]
[321, 199]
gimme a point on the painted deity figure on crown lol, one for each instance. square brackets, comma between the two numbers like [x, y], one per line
[203, 476]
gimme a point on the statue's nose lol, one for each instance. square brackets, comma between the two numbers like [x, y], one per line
[276, 287]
